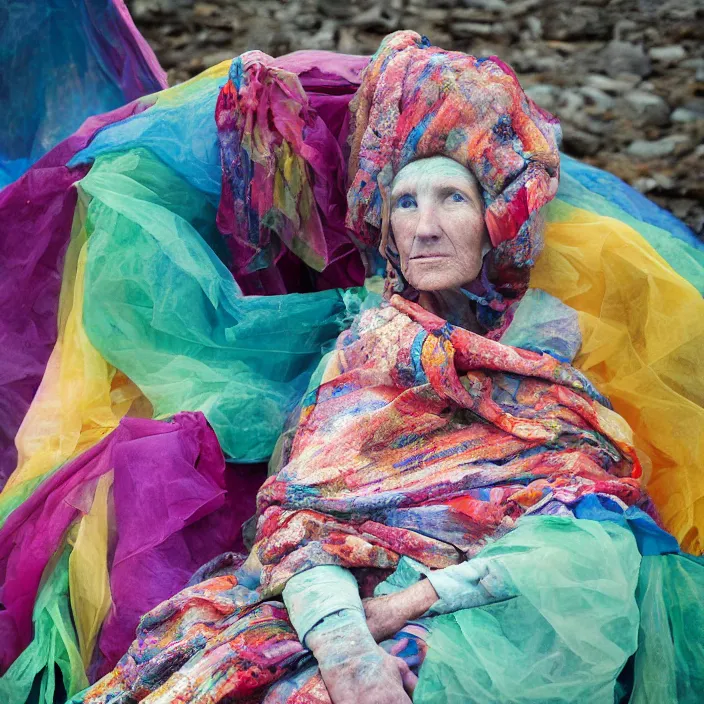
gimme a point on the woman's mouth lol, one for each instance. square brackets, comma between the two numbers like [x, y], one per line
[420, 257]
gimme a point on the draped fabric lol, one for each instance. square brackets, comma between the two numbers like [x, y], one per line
[422, 441]
[63, 62]
[127, 304]
[427, 441]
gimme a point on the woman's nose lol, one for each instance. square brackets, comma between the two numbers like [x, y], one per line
[428, 227]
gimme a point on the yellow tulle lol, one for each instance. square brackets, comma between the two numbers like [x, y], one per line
[88, 578]
[643, 345]
[81, 397]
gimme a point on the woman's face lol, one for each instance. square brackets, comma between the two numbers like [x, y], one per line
[437, 219]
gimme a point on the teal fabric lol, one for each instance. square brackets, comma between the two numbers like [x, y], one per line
[161, 306]
[669, 664]
[564, 638]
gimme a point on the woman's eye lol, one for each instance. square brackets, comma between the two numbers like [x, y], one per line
[457, 197]
[406, 202]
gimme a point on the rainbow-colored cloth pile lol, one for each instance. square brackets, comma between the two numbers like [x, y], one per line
[158, 382]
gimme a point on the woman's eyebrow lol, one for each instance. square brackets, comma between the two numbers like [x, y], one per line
[466, 189]
[402, 190]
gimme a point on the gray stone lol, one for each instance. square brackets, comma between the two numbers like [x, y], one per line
[535, 27]
[684, 115]
[467, 30]
[570, 105]
[324, 38]
[665, 182]
[217, 57]
[601, 100]
[624, 57]
[667, 146]
[646, 108]
[667, 54]
[523, 7]
[376, 18]
[645, 184]
[611, 85]
[579, 142]
[622, 27]
[489, 5]
[696, 105]
[695, 63]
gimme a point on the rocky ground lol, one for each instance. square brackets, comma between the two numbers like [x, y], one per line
[625, 77]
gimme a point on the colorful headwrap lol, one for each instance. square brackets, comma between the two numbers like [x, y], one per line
[418, 101]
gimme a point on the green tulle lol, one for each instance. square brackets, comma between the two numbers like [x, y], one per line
[564, 639]
[33, 676]
[161, 306]
[669, 664]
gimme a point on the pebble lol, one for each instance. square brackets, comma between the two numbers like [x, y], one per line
[545, 95]
[667, 54]
[600, 99]
[625, 57]
[611, 85]
[570, 105]
[646, 108]
[579, 142]
[667, 146]
[684, 115]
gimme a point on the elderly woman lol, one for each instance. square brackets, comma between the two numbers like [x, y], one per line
[446, 461]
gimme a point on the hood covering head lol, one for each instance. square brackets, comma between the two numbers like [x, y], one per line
[418, 101]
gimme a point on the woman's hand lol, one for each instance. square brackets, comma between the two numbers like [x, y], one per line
[387, 615]
[354, 668]
[374, 677]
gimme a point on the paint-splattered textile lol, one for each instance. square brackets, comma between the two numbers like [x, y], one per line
[422, 441]
[283, 171]
[427, 441]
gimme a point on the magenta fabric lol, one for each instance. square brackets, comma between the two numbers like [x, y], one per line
[36, 213]
[172, 513]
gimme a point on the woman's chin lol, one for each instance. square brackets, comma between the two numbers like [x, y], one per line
[433, 278]
[437, 283]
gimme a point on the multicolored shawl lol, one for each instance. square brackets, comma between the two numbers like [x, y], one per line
[426, 440]
[422, 440]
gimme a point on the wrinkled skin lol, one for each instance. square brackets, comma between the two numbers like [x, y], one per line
[437, 220]
[356, 670]
[353, 667]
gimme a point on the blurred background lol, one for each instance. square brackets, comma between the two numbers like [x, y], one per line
[625, 77]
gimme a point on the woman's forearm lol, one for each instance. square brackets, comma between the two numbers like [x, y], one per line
[318, 593]
[387, 615]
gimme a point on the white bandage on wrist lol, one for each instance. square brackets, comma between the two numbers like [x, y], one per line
[317, 593]
[469, 584]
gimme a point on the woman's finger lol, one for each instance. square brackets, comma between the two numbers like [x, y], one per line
[408, 679]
